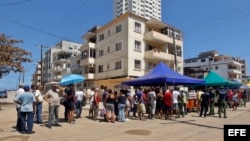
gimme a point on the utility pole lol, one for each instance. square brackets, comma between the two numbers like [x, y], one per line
[41, 62]
[175, 51]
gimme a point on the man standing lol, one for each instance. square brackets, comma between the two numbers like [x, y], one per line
[244, 97]
[39, 104]
[79, 99]
[152, 103]
[168, 104]
[176, 94]
[27, 101]
[141, 110]
[204, 103]
[211, 102]
[52, 97]
[222, 102]
[18, 107]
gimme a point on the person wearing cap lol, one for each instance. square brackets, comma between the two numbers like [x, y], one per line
[52, 97]
[18, 106]
[27, 101]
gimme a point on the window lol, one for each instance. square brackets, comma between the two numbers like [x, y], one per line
[100, 53]
[108, 66]
[92, 53]
[137, 27]
[101, 37]
[118, 46]
[137, 64]
[137, 46]
[216, 67]
[118, 65]
[118, 28]
[108, 49]
[100, 68]
[203, 60]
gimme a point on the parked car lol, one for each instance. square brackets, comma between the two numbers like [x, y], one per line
[3, 94]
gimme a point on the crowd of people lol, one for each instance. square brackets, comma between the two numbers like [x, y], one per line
[120, 106]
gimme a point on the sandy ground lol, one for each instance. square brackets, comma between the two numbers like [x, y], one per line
[190, 128]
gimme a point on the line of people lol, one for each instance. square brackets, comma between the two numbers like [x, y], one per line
[118, 105]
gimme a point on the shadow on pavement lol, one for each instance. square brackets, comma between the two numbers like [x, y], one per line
[190, 122]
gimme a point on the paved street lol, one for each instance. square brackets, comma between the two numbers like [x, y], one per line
[190, 128]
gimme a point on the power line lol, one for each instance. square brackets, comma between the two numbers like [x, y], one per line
[14, 3]
[32, 28]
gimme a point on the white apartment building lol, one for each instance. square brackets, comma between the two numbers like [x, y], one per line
[128, 47]
[229, 67]
[36, 77]
[57, 60]
[146, 8]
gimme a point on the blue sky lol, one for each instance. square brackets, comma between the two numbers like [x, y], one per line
[222, 25]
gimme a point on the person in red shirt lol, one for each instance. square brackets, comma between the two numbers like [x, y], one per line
[96, 102]
[168, 104]
[230, 98]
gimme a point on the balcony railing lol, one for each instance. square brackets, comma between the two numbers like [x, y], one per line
[157, 55]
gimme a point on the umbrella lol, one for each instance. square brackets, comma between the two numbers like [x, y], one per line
[122, 86]
[71, 79]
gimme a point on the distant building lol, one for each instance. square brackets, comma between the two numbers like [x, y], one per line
[128, 47]
[145, 8]
[227, 66]
[36, 77]
[57, 60]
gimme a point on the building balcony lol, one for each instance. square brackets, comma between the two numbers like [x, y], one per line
[157, 55]
[57, 70]
[57, 78]
[89, 76]
[228, 61]
[38, 72]
[62, 61]
[235, 71]
[157, 38]
[160, 39]
[87, 61]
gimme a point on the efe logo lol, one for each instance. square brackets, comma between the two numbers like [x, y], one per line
[239, 132]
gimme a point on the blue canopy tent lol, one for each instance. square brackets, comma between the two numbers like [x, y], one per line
[162, 75]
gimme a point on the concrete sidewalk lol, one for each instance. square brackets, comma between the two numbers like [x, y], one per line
[190, 128]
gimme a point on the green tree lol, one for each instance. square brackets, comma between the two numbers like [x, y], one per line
[12, 57]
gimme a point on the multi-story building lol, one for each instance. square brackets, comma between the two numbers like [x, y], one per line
[226, 66]
[129, 47]
[57, 60]
[146, 8]
[88, 57]
[36, 77]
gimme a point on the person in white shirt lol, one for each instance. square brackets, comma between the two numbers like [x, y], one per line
[152, 102]
[91, 100]
[39, 104]
[79, 99]
[176, 94]
[18, 92]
